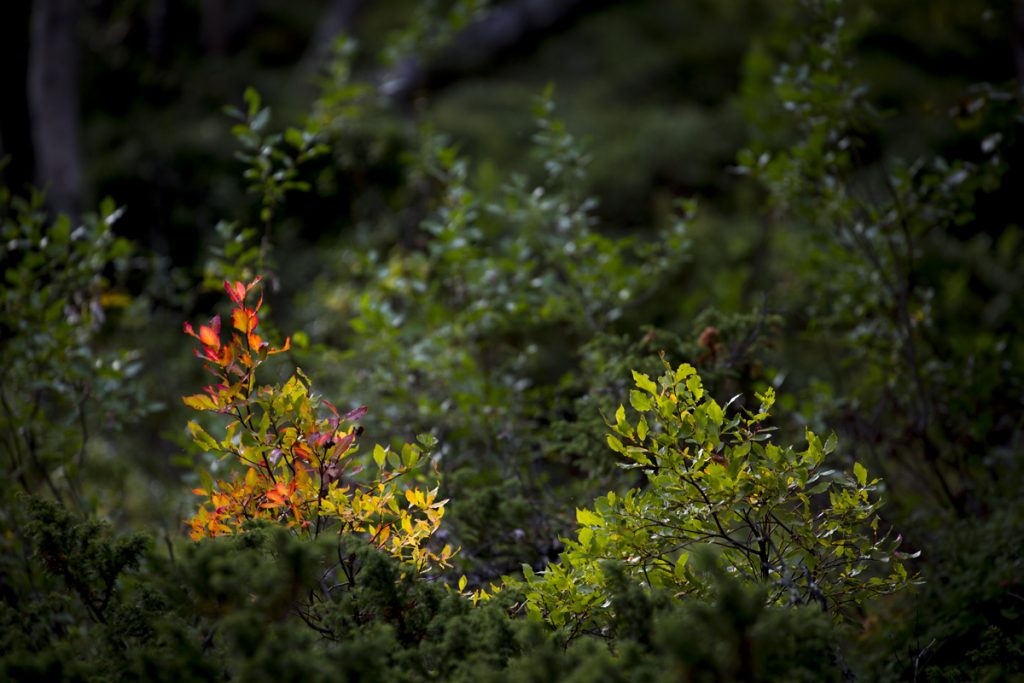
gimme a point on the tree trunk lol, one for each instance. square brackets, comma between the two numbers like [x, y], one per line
[339, 17]
[508, 28]
[15, 120]
[1018, 40]
[222, 21]
[53, 102]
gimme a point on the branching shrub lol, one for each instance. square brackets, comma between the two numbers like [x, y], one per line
[298, 453]
[775, 516]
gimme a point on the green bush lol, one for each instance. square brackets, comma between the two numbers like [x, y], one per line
[777, 518]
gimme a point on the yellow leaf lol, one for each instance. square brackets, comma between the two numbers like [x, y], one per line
[199, 402]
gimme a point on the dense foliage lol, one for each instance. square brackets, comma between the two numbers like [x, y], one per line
[620, 433]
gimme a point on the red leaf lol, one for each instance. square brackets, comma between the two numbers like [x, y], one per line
[354, 415]
[236, 291]
[342, 445]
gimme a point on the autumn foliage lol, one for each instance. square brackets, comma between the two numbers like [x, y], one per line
[297, 453]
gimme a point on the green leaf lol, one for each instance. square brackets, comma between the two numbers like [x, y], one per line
[380, 454]
[714, 412]
[644, 382]
[679, 571]
[410, 455]
[696, 387]
[638, 454]
[639, 401]
[252, 98]
[293, 137]
[683, 371]
[615, 444]
[201, 438]
[861, 473]
[831, 443]
[588, 517]
[61, 230]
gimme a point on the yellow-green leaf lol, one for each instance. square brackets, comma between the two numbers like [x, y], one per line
[679, 571]
[644, 382]
[861, 473]
[380, 454]
[588, 517]
[620, 416]
[684, 371]
[201, 438]
[696, 387]
[199, 402]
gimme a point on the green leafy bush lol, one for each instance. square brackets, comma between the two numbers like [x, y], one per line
[810, 535]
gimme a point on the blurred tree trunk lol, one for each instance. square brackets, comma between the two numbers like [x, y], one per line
[221, 21]
[53, 101]
[339, 17]
[214, 26]
[508, 28]
[1018, 40]
[156, 27]
[15, 120]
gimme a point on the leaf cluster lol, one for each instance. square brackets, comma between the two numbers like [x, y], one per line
[299, 466]
[777, 517]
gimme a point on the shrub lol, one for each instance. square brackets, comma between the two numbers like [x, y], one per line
[299, 465]
[775, 516]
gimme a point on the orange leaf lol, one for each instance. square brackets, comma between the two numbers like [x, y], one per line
[244, 320]
[208, 337]
[287, 345]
